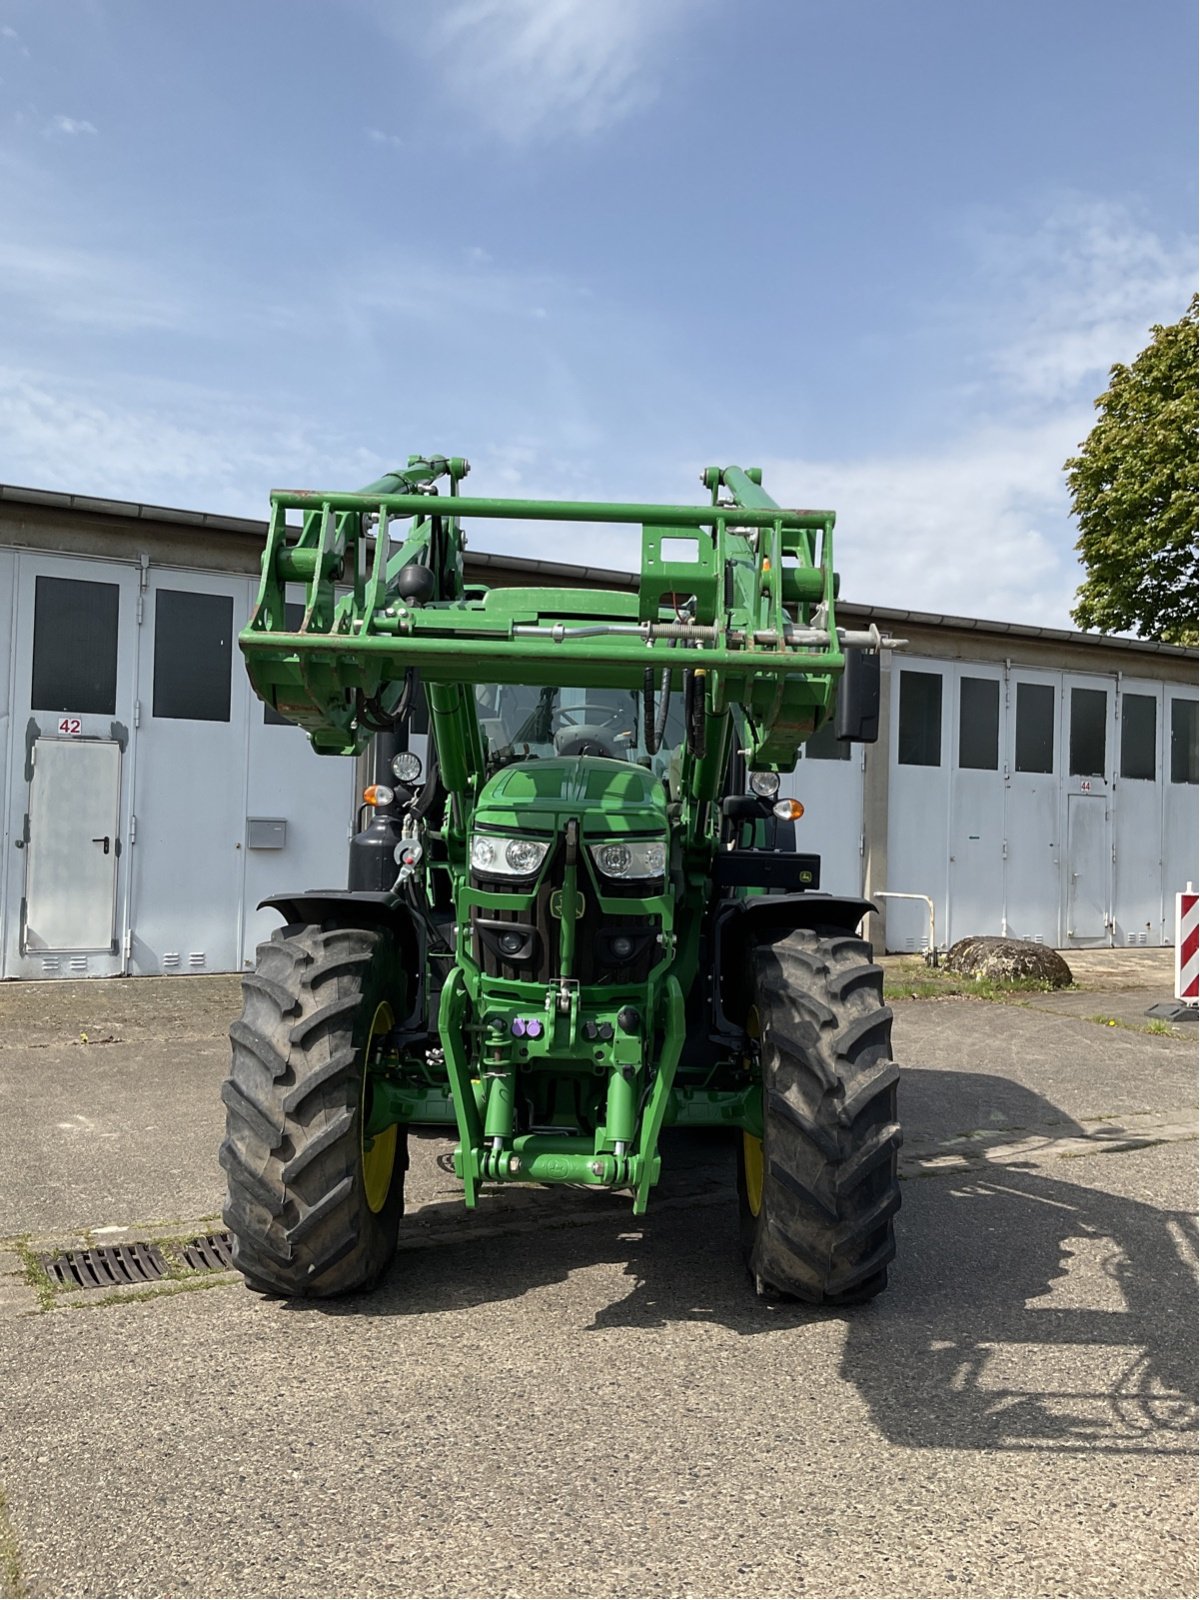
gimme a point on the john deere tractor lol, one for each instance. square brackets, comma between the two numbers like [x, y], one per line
[581, 918]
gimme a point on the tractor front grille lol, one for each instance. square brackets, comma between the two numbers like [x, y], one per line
[600, 956]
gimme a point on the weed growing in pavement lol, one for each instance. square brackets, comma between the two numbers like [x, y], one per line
[156, 1291]
[911, 979]
[36, 1276]
[1157, 1026]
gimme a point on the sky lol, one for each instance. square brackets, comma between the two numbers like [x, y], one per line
[888, 252]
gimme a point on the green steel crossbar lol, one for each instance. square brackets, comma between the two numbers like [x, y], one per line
[650, 516]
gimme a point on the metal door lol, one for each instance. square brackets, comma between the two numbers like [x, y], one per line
[1137, 808]
[1032, 899]
[9, 858]
[1181, 864]
[1087, 874]
[1087, 759]
[74, 648]
[189, 788]
[918, 800]
[310, 799]
[976, 903]
[300, 807]
[71, 848]
[828, 782]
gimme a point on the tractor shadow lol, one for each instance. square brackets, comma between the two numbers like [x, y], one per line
[1025, 1311]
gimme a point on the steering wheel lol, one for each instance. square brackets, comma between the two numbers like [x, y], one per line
[583, 739]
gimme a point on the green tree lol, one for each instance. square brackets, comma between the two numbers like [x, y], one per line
[1134, 492]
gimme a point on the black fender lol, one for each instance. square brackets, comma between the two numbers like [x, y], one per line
[762, 919]
[363, 908]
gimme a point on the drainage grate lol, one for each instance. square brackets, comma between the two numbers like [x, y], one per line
[111, 1266]
[211, 1252]
[120, 1266]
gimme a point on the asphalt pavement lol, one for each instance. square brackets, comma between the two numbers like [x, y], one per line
[554, 1397]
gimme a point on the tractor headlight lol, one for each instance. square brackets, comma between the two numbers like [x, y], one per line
[498, 857]
[407, 767]
[764, 784]
[631, 858]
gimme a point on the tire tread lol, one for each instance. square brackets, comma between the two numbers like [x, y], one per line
[296, 1206]
[824, 1233]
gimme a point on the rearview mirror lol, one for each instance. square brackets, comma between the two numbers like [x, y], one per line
[857, 719]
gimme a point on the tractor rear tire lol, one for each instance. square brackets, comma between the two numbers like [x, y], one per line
[818, 1195]
[313, 1208]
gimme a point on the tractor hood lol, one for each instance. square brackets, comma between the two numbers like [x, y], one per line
[608, 797]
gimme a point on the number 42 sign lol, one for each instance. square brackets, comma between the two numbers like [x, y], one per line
[71, 725]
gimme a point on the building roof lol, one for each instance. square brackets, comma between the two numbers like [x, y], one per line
[536, 570]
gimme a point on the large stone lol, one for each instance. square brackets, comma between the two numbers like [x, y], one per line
[1005, 959]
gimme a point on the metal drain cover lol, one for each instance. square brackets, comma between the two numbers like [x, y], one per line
[211, 1252]
[110, 1266]
[121, 1266]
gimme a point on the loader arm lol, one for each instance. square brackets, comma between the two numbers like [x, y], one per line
[741, 593]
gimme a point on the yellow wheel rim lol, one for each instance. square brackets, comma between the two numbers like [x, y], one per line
[752, 1167]
[752, 1148]
[379, 1153]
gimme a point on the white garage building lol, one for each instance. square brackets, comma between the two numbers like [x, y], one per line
[1027, 781]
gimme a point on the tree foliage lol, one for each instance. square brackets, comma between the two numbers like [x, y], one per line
[1134, 492]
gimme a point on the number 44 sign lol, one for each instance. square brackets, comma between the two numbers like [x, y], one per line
[71, 725]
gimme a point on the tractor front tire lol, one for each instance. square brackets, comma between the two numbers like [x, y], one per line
[819, 1192]
[313, 1206]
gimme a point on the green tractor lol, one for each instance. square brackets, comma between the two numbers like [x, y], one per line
[582, 918]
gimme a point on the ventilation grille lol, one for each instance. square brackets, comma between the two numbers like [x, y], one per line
[78, 963]
[50, 966]
[197, 960]
[171, 961]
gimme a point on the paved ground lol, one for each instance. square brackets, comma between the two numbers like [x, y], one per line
[553, 1397]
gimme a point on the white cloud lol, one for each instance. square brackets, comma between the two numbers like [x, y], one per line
[1076, 293]
[472, 299]
[377, 136]
[545, 68]
[70, 126]
[163, 443]
[980, 524]
[972, 530]
[55, 283]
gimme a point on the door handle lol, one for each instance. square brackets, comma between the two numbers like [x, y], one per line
[103, 841]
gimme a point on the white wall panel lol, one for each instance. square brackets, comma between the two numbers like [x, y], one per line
[8, 582]
[918, 804]
[977, 797]
[1138, 824]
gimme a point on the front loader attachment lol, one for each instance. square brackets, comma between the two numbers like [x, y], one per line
[743, 594]
[551, 973]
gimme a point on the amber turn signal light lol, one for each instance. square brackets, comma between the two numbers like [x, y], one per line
[788, 810]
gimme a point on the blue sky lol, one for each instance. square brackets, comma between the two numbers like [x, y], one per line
[887, 251]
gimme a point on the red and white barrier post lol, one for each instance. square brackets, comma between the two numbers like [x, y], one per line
[1187, 945]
